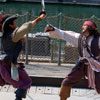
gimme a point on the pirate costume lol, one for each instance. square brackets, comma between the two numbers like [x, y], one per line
[88, 63]
[11, 47]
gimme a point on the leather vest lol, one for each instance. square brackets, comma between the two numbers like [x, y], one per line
[94, 46]
[10, 50]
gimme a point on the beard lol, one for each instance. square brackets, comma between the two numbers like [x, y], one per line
[84, 31]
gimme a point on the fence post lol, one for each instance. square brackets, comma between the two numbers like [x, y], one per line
[52, 50]
[26, 44]
[59, 48]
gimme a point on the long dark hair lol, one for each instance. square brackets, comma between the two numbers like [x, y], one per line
[93, 32]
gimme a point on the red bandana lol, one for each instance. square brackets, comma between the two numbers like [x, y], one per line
[90, 23]
[0, 20]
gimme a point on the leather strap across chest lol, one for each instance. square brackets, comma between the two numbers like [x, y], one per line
[94, 46]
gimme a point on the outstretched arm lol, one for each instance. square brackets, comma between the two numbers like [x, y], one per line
[69, 36]
[41, 17]
[24, 29]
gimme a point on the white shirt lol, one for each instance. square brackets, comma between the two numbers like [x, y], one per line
[71, 37]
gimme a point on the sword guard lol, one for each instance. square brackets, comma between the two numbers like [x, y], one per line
[42, 12]
[49, 28]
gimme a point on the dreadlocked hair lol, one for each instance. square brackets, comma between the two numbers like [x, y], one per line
[93, 32]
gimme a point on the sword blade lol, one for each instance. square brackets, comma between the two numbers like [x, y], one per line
[43, 5]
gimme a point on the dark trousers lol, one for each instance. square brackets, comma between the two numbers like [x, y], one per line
[77, 73]
[5, 76]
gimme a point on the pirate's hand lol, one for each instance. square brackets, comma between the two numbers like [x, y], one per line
[38, 19]
[42, 15]
[49, 28]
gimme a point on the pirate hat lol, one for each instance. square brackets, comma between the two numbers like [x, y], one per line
[2, 16]
[6, 20]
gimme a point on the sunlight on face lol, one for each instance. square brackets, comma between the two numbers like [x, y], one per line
[84, 28]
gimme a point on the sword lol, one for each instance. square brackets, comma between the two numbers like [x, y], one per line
[43, 5]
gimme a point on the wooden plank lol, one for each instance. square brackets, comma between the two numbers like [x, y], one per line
[48, 90]
[76, 92]
[11, 88]
[4, 88]
[32, 90]
[40, 90]
[55, 90]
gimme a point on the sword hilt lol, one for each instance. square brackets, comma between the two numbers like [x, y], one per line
[42, 12]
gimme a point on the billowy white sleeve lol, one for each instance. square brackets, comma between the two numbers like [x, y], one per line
[99, 43]
[69, 36]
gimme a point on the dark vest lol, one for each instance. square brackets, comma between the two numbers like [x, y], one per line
[94, 46]
[10, 50]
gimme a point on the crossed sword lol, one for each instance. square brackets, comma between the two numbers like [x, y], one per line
[43, 5]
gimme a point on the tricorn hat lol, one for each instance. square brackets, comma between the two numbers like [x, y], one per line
[2, 16]
[6, 20]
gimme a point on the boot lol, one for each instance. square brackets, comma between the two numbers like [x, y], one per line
[18, 98]
[61, 98]
[20, 93]
[65, 92]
